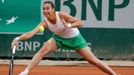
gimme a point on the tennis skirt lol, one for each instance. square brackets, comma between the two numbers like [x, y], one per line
[75, 43]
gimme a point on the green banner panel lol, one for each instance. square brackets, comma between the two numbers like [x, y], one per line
[19, 15]
[105, 43]
[111, 43]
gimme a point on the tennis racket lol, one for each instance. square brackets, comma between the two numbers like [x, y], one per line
[12, 61]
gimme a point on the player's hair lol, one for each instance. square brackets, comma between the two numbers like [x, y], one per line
[51, 3]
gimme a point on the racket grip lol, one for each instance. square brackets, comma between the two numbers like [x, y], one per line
[14, 48]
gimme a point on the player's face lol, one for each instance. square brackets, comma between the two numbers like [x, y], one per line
[47, 10]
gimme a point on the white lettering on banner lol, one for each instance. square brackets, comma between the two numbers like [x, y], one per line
[36, 45]
[99, 13]
[28, 46]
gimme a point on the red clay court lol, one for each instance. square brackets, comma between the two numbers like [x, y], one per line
[68, 69]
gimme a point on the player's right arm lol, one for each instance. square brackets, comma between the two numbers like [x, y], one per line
[28, 35]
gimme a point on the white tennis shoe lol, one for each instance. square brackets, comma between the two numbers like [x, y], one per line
[25, 72]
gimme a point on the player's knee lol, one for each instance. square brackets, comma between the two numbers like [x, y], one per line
[47, 47]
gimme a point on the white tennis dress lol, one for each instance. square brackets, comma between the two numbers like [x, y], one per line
[60, 30]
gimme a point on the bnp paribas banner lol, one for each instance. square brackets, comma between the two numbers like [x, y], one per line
[24, 15]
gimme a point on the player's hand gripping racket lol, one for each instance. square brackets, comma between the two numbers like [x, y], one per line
[12, 61]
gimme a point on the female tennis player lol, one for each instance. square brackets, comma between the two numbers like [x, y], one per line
[66, 36]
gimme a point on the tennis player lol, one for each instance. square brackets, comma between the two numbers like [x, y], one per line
[66, 36]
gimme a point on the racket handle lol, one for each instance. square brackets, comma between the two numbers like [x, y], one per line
[14, 48]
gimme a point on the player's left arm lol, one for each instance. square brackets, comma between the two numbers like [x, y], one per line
[75, 22]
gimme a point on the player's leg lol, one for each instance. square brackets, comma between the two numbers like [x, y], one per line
[49, 46]
[88, 55]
